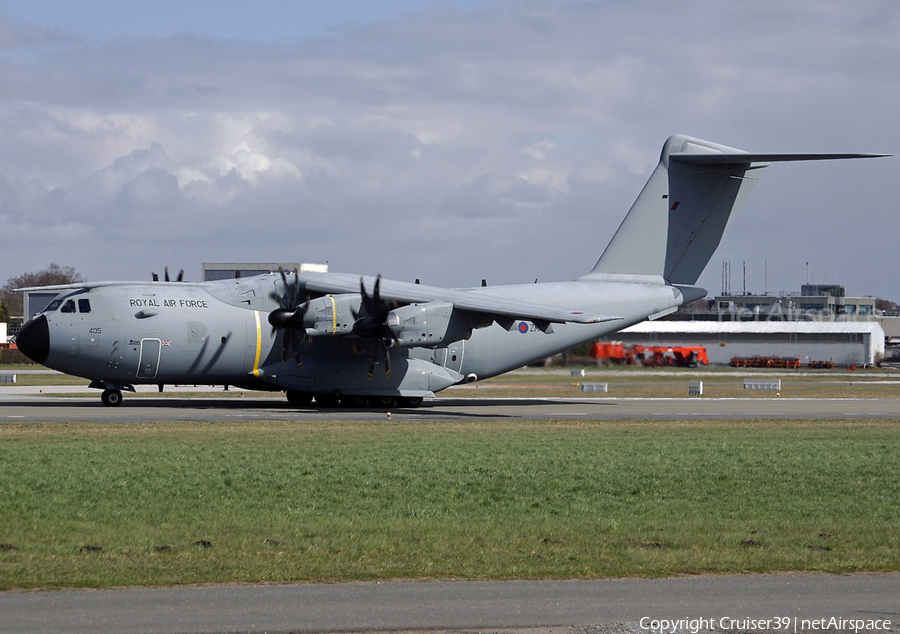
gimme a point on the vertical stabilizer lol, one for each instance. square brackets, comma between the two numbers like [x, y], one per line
[678, 220]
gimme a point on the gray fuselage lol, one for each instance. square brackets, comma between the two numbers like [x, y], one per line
[217, 333]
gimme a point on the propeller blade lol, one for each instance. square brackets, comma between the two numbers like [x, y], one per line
[289, 318]
[371, 323]
[295, 348]
[278, 298]
[180, 277]
[288, 300]
[376, 296]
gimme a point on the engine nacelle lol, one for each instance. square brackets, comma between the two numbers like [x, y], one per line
[433, 324]
[331, 315]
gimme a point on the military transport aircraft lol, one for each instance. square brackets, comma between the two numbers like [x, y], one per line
[351, 340]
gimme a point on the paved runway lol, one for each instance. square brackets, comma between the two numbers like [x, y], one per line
[20, 406]
[457, 605]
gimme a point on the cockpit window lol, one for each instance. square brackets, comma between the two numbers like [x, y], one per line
[68, 307]
[53, 305]
[84, 305]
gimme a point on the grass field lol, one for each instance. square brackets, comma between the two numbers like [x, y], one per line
[270, 501]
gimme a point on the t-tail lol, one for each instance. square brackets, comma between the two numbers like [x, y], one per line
[678, 220]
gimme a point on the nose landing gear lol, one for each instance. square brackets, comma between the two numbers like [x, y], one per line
[112, 391]
[111, 398]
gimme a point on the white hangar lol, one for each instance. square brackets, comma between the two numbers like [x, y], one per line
[844, 343]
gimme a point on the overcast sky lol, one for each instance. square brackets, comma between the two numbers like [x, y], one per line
[443, 140]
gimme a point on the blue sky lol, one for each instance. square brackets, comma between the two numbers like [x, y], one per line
[449, 141]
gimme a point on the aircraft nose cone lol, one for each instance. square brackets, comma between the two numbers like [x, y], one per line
[34, 340]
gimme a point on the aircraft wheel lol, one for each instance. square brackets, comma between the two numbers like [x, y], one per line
[410, 401]
[299, 399]
[354, 401]
[382, 401]
[328, 400]
[111, 398]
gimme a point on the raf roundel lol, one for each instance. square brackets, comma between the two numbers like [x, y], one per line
[523, 327]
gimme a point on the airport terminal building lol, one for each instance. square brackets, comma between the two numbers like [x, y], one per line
[815, 301]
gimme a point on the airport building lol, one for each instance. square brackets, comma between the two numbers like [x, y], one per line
[823, 302]
[34, 302]
[859, 343]
[210, 271]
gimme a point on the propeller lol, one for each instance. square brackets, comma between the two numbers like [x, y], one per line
[371, 323]
[180, 276]
[289, 317]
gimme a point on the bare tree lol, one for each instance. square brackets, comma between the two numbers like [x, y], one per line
[53, 274]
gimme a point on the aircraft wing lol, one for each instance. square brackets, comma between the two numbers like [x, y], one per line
[479, 301]
[89, 285]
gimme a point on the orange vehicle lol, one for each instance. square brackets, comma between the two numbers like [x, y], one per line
[649, 356]
[677, 356]
[611, 352]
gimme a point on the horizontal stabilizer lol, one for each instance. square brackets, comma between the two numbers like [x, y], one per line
[746, 157]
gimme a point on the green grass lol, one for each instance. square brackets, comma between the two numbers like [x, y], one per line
[499, 500]
[43, 379]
